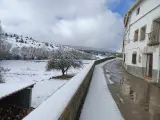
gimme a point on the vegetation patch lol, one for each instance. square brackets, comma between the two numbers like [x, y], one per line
[63, 60]
[62, 77]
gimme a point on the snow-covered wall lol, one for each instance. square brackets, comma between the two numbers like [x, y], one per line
[66, 103]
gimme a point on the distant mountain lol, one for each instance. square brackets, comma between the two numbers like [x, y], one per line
[91, 49]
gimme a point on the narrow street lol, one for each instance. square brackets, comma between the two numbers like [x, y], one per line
[135, 98]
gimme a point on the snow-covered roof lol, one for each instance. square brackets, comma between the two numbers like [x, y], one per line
[7, 89]
[53, 107]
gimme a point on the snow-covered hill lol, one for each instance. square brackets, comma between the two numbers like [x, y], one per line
[20, 41]
[19, 47]
[13, 46]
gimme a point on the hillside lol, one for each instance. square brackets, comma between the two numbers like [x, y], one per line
[21, 41]
[20, 47]
[91, 49]
[24, 47]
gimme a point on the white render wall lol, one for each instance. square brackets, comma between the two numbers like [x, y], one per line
[139, 46]
[145, 7]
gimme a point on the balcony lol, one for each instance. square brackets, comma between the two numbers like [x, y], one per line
[154, 38]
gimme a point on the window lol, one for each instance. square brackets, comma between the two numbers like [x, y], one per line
[138, 10]
[136, 35]
[143, 33]
[134, 58]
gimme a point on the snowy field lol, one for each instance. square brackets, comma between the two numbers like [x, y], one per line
[33, 70]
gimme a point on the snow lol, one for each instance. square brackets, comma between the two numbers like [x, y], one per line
[109, 79]
[10, 88]
[60, 99]
[44, 89]
[35, 71]
[99, 104]
[31, 70]
[29, 43]
[101, 56]
[108, 73]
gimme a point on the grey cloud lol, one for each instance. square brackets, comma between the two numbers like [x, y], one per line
[75, 22]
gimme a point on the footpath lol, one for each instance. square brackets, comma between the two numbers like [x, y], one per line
[99, 104]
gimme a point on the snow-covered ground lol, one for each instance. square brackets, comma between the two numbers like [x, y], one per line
[27, 42]
[101, 56]
[99, 104]
[31, 70]
[54, 106]
[44, 89]
[19, 70]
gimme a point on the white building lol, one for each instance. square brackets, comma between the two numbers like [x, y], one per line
[141, 46]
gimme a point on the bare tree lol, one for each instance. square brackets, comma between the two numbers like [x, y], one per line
[63, 60]
[0, 39]
[1, 50]
[4, 46]
[2, 80]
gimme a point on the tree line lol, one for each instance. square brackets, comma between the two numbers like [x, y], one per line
[29, 52]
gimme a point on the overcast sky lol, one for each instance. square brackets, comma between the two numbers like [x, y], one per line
[92, 23]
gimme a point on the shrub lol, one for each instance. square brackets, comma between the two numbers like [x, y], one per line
[63, 60]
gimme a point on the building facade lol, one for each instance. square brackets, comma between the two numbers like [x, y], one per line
[141, 46]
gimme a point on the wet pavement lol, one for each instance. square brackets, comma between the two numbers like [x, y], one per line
[135, 98]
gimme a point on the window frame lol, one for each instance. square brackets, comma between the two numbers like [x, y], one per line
[134, 58]
[144, 34]
[136, 35]
[138, 11]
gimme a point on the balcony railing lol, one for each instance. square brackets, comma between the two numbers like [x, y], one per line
[154, 38]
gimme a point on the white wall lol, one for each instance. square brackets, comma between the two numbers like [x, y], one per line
[145, 7]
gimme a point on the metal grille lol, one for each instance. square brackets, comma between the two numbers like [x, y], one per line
[154, 37]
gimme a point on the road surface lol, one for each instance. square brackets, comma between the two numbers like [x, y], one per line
[135, 98]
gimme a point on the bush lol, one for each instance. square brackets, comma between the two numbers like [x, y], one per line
[120, 55]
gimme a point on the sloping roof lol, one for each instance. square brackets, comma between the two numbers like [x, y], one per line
[7, 89]
[135, 5]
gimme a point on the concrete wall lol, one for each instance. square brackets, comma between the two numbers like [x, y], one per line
[21, 98]
[145, 7]
[149, 11]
